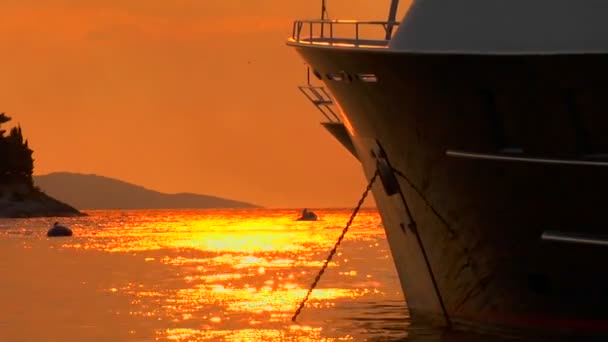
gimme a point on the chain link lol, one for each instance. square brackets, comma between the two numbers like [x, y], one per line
[333, 251]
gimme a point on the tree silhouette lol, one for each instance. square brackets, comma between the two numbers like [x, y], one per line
[16, 162]
[3, 119]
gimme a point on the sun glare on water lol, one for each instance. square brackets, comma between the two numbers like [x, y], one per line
[237, 275]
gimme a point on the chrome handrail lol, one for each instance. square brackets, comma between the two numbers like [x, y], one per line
[319, 25]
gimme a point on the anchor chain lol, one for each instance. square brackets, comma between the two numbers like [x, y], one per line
[451, 230]
[333, 251]
[412, 225]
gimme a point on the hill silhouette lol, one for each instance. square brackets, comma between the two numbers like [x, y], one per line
[89, 191]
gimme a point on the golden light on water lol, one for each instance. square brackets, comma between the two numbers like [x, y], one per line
[238, 276]
[304, 334]
[218, 234]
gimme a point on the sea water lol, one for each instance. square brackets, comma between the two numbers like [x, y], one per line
[203, 275]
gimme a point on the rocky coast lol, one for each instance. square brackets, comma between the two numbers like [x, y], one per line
[22, 201]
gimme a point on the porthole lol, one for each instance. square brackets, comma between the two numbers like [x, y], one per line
[336, 77]
[370, 78]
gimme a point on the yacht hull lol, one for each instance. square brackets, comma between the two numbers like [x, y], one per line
[490, 152]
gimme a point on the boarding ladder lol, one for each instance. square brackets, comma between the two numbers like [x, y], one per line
[320, 97]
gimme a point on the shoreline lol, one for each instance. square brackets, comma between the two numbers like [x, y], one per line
[26, 202]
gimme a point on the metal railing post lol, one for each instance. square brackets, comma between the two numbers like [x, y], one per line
[299, 30]
[310, 33]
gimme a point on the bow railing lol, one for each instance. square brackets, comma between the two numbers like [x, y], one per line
[343, 32]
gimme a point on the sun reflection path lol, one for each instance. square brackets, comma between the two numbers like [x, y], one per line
[229, 231]
[304, 334]
[238, 276]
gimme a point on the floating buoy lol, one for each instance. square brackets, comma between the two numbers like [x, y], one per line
[307, 215]
[59, 230]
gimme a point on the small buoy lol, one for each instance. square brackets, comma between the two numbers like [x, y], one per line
[59, 230]
[307, 215]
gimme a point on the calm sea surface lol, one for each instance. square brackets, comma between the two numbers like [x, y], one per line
[201, 275]
[184, 275]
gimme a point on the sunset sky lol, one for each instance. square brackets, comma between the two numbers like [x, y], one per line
[177, 96]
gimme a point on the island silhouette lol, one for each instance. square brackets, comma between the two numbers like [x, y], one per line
[90, 191]
[18, 195]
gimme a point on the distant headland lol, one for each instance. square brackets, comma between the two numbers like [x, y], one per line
[18, 195]
[89, 191]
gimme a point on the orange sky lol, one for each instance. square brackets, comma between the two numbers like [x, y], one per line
[180, 95]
